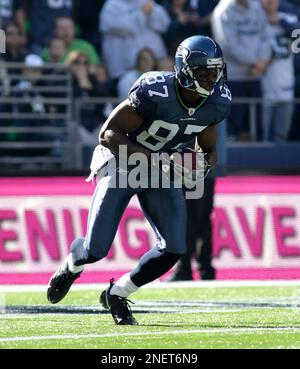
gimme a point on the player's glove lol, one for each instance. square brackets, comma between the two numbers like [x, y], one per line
[186, 166]
[166, 164]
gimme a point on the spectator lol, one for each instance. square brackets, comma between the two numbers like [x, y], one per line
[42, 15]
[241, 29]
[32, 77]
[10, 10]
[141, 25]
[57, 53]
[9, 76]
[188, 17]
[15, 48]
[57, 50]
[65, 29]
[181, 25]
[146, 62]
[279, 80]
[86, 85]
[26, 89]
[201, 13]
[15, 53]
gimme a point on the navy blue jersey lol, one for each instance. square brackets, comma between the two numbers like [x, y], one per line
[167, 122]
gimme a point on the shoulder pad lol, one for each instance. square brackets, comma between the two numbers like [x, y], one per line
[224, 93]
[140, 100]
[222, 101]
[150, 89]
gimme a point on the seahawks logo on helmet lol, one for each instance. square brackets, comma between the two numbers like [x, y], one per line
[183, 52]
[199, 52]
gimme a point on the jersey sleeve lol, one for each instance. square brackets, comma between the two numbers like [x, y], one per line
[140, 101]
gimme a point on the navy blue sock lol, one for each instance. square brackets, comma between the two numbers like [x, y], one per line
[153, 265]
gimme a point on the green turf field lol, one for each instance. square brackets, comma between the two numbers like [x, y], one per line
[182, 317]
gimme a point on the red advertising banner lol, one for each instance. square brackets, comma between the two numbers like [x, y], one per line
[256, 224]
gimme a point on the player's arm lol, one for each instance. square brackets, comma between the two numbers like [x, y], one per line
[207, 141]
[122, 120]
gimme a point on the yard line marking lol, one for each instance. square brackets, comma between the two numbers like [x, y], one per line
[141, 307]
[154, 307]
[148, 307]
[28, 315]
[132, 334]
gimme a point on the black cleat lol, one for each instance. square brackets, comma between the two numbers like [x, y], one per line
[60, 283]
[118, 307]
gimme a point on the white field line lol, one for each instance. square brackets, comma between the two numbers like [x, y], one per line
[192, 284]
[4, 317]
[161, 333]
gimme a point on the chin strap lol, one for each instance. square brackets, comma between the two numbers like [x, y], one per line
[201, 91]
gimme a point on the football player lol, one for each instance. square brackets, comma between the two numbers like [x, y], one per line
[163, 111]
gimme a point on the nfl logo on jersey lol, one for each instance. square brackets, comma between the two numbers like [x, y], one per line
[191, 111]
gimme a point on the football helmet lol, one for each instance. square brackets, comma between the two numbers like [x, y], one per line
[199, 65]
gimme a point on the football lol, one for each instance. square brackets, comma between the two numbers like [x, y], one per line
[189, 159]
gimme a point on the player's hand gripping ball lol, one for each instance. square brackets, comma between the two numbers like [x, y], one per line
[187, 166]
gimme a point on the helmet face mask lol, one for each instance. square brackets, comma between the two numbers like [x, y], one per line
[199, 65]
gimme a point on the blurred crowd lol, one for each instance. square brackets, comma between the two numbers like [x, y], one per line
[108, 44]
